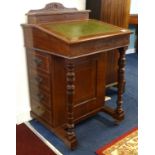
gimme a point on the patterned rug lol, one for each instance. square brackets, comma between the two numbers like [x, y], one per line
[126, 144]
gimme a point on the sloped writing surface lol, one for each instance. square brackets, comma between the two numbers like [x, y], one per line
[76, 30]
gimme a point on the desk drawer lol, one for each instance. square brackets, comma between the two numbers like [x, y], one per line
[40, 80]
[40, 61]
[41, 112]
[40, 96]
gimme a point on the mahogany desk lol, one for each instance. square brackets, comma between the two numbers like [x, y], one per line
[66, 67]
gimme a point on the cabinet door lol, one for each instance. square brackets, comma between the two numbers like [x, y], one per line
[89, 86]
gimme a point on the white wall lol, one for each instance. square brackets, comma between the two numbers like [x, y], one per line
[134, 7]
[14, 36]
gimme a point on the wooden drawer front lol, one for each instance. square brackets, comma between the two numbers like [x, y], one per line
[41, 112]
[40, 61]
[40, 80]
[41, 97]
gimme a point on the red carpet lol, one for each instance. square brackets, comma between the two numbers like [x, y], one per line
[127, 144]
[27, 143]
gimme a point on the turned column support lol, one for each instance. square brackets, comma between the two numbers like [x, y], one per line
[119, 113]
[70, 78]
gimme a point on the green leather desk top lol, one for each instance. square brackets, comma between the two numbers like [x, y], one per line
[77, 30]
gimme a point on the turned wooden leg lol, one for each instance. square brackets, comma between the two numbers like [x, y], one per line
[121, 80]
[70, 116]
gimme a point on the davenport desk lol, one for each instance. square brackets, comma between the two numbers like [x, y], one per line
[66, 57]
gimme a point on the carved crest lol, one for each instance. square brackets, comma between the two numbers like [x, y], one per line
[53, 7]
